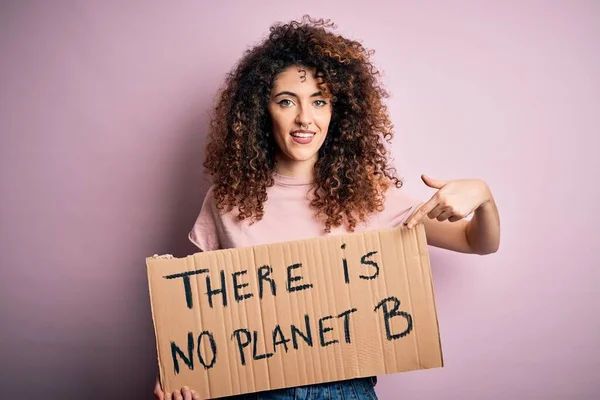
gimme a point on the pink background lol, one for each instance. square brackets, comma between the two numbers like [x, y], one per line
[103, 115]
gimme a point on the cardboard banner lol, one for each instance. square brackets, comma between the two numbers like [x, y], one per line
[290, 314]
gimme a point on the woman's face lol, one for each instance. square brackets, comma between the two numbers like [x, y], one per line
[300, 115]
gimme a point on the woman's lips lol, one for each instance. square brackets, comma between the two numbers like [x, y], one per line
[303, 137]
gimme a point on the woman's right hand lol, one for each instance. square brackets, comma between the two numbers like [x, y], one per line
[184, 394]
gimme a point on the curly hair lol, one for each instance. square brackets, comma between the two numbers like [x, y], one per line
[352, 172]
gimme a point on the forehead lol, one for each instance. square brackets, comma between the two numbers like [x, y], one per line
[297, 79]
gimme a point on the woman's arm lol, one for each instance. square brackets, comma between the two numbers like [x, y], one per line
[443, 216]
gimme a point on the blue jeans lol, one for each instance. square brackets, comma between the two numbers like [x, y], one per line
[352, 389]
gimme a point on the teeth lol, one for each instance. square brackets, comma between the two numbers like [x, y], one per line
[302, 135]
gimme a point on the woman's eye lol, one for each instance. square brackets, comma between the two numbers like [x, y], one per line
[320, 103]
[285, 103]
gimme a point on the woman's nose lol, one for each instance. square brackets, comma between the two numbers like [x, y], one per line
[303, 118]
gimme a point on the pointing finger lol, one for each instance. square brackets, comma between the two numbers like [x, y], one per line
[421, 212]
[413, 213]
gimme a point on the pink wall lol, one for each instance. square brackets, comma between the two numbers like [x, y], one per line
[103, 112]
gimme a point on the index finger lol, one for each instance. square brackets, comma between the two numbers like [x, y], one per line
[422, 211]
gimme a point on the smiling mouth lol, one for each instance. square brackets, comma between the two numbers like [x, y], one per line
[303, 134]
[303, 137]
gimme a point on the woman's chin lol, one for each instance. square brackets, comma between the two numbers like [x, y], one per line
[304, 158]
[300, 155]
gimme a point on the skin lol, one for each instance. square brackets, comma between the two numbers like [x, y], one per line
[444, 216]
[184, 394]
[296, 103]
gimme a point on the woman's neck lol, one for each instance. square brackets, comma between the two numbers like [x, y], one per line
[293, 168]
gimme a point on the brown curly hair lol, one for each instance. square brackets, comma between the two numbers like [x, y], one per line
[352, 172]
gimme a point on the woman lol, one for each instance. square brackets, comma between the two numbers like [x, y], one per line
[297, 150]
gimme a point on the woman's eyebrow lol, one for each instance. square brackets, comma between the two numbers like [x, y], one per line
[285, 92]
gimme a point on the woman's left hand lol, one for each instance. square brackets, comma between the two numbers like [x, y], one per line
[453, 201]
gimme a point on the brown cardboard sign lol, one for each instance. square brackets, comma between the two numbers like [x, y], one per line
[296, 313]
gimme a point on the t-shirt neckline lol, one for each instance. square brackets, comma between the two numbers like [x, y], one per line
[285, 180]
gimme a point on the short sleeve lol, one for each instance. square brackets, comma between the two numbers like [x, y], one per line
[399, 206]
[205, 232]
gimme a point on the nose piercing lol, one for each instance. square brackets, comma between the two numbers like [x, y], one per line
[303, 126]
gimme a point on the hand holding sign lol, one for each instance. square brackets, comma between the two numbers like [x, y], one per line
[184, 394]
[453, 201]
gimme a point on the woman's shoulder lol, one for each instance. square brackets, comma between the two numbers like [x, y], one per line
[396, 193]
[398, 205]
[204, 233]
[209, 196]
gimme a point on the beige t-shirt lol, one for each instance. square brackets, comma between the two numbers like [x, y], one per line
[287, 217]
